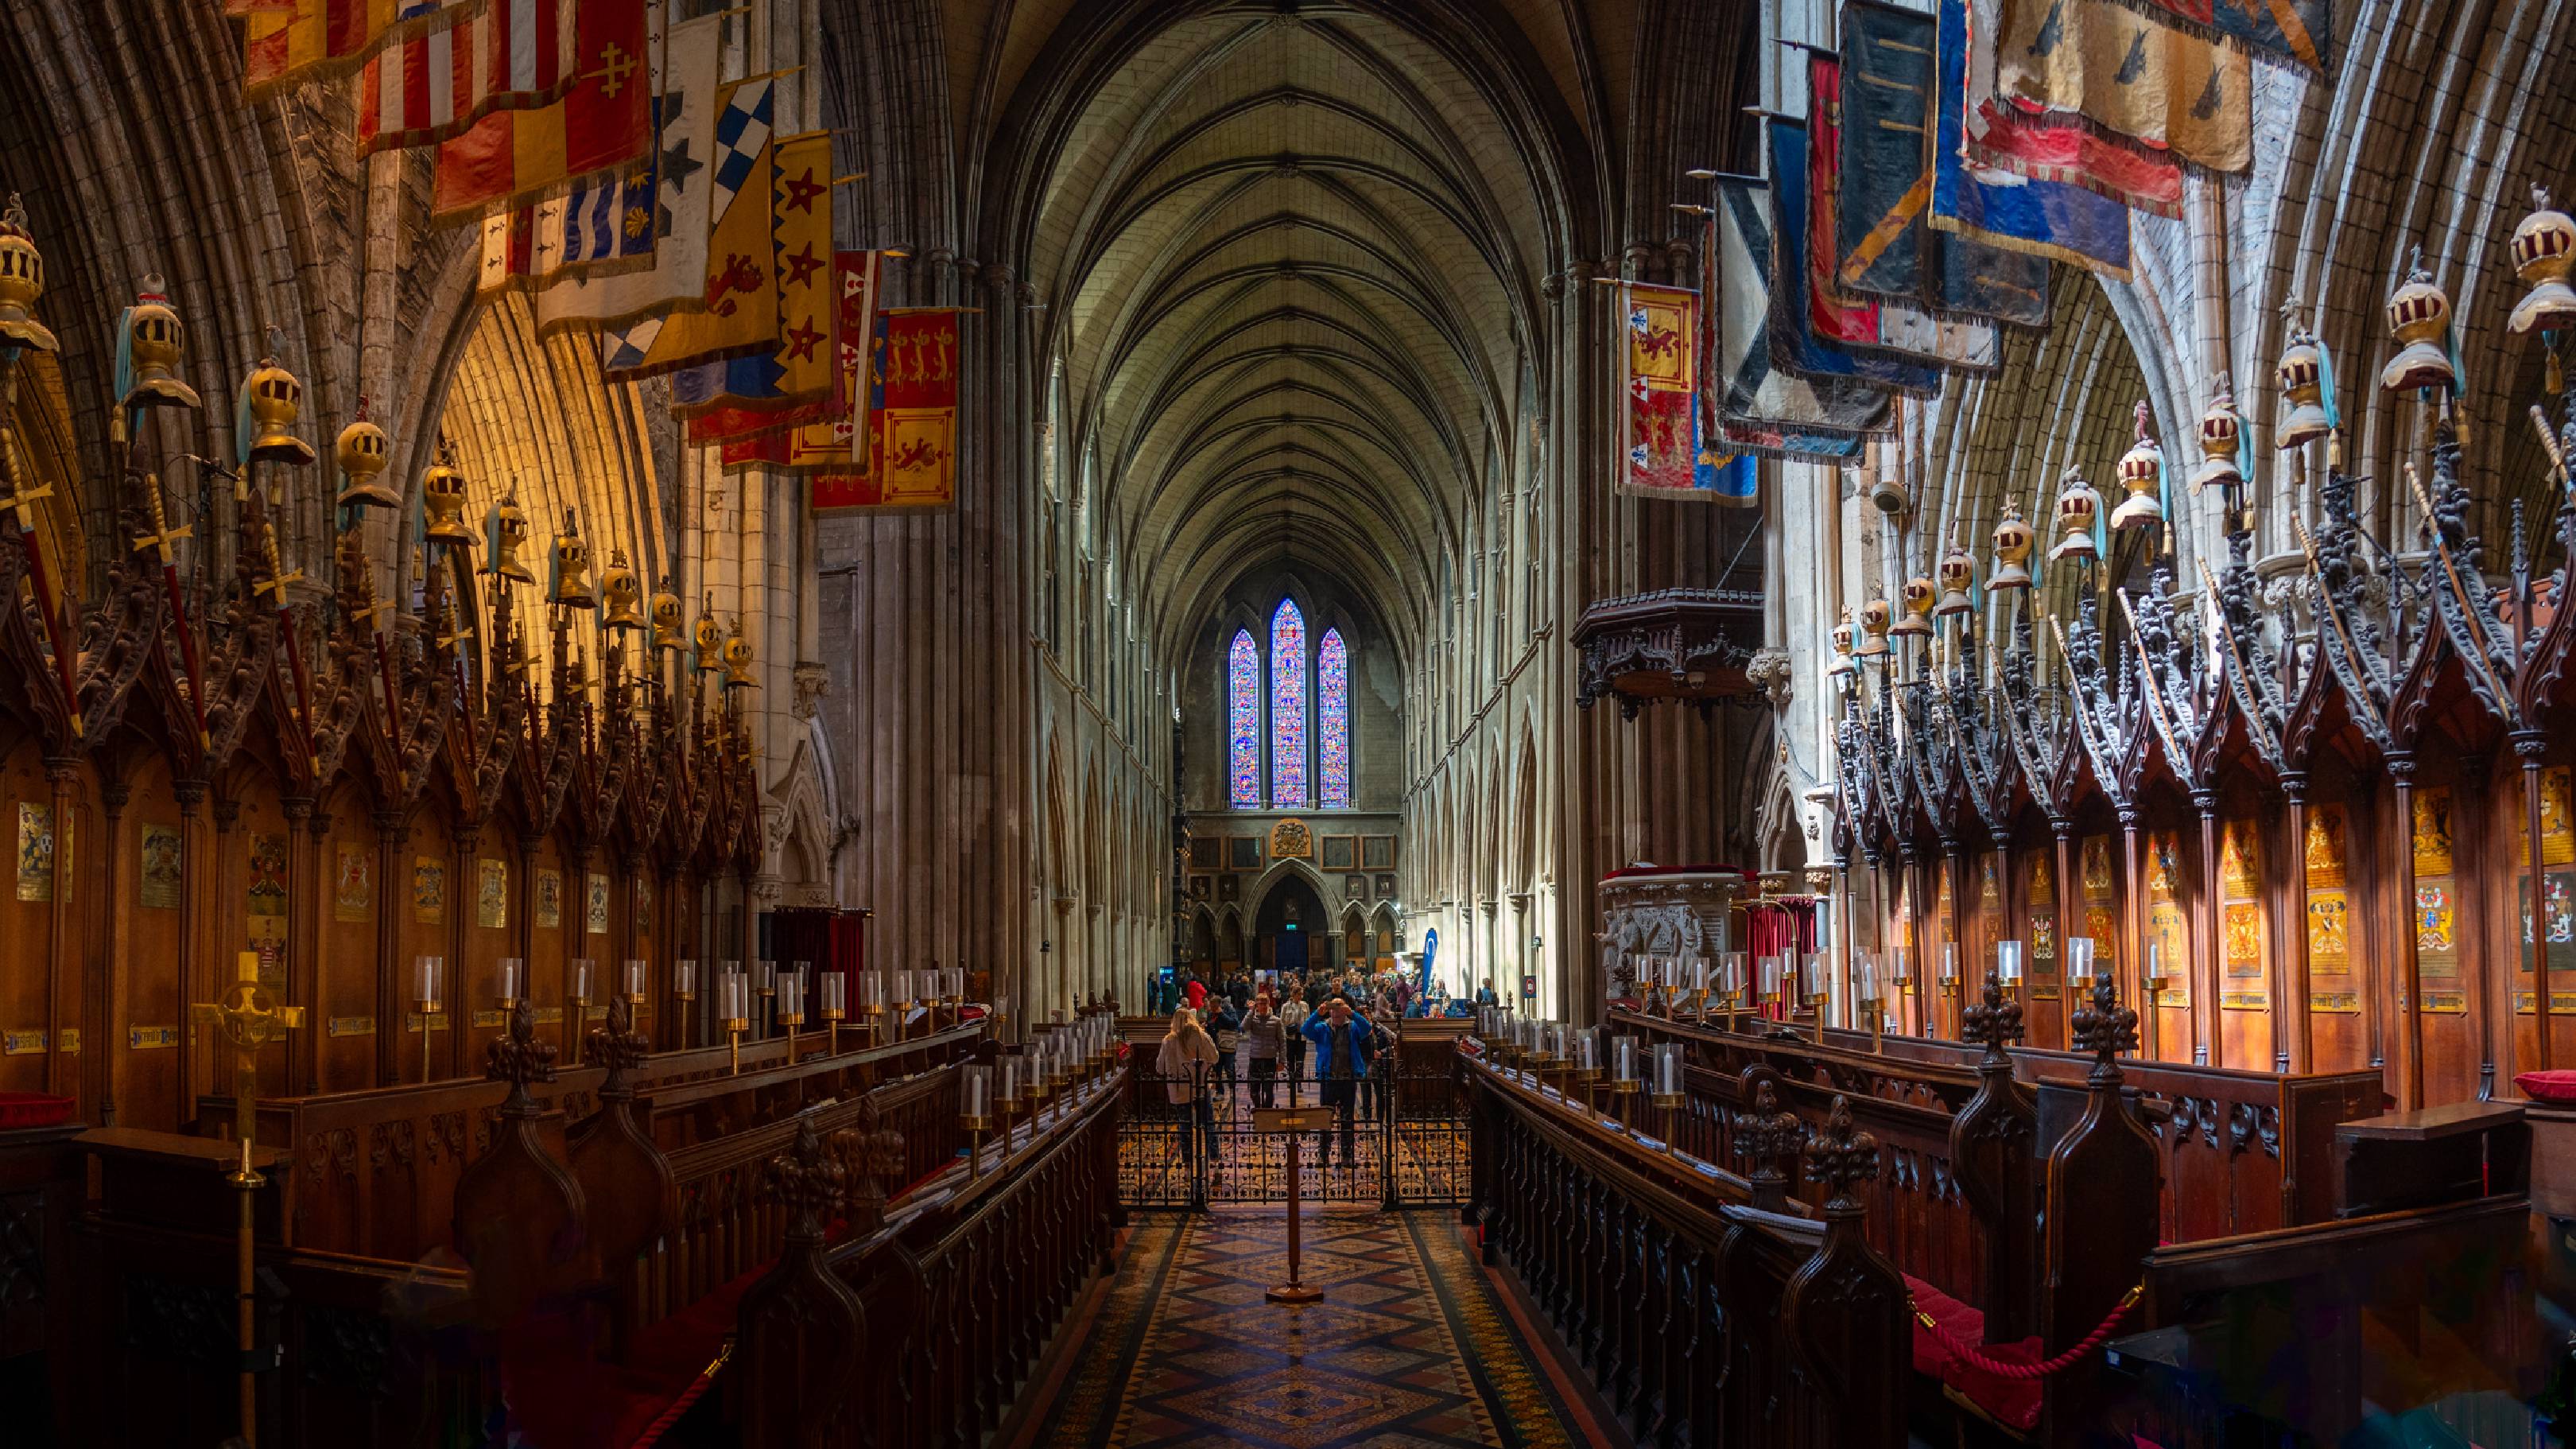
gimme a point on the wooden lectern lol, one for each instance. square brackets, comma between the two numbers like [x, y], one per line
[1292, 1121]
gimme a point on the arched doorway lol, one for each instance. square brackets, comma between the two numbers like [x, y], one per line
[1290, 928]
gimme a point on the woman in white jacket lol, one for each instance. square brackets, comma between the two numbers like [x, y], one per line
[1183, 1063]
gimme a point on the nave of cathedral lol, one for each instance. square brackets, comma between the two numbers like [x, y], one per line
[1833, 723]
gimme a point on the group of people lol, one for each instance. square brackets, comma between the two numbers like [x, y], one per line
[1385, 994]
[1281, 1020]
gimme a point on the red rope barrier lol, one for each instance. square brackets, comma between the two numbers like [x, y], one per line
[2063, 1361]
[705, 1380]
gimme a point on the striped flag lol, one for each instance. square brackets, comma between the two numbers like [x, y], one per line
[289, 41]
[432, 86]
[603, 121]
[666, 268]
[736, 299]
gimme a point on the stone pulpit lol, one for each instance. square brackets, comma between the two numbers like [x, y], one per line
[1650, 910]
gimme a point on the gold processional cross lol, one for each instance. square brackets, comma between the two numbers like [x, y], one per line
[250, 1018]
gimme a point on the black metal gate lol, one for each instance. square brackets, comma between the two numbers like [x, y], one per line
[1397, 1138]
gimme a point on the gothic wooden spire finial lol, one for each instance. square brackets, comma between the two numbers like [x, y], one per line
[1993, 1020]
[1841, 1157]
[2106, 1029]
[617, 1045]
[518, 1057]
[807, 1178]
[1764, 1137]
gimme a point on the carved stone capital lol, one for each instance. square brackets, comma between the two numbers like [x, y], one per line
[812, 681]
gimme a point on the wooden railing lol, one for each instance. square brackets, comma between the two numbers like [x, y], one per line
[920, 1332]
[2240, 1151]
[375, 1171]
[1702, 1318]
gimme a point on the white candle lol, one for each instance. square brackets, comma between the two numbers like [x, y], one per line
[836, 1001]
[509, 978]
[1811, 975]
[1668, 1067]
[1770, 978]
[684, 978]
[978, 1084]
[635, 978]
[425, 972]
[1734, 983]
[1864, 976]
[2008, 962]
[1699, 974]
[1587, 1050]
[1624, 1059]
[581, 978]
[872, 990]
[1899, 969]
[1949, 961]
[1010, 1088]
[2079, 956]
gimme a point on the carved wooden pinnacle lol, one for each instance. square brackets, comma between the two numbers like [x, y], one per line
[2105, 1028]
[617, 1045]
[1992, 1020]
[807, 1178]
[517, 1057]
[1768, 1133]
[1841, 1156]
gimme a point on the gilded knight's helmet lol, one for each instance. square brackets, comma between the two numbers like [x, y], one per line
[2221, 430]
[572, 585]
[709, 637]
[1873, 627]
[2544, 250]
[2077, 506]
[154, 343]
[1843, 635]
[621, 595]
[2013, 541]
[363, 452]
[1915, 621]
[2140, 467]
[1956, 575]
[738, 662]
[2302, 377]
[670, 634]
[2419, 317]
[271, 401]
[22, 282]
[508, 529]
[442, 499]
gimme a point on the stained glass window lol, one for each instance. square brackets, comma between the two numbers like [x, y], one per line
[1288, 708]
[1333, 721]
[1243, 720]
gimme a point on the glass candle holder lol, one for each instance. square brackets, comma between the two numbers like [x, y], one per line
[514, 980]
[581, 968]
[1865, 976]
[1007, 1079]
[1734, 980]
[835, 989]
[684, 980]
[901, 988]
[1811, 977]
[635, 981]
[1668, 1068]
[2080, 961]
[872, 992]
[1623, 1059]
[428, 973]
[1899, 969]
[2008, 964]
[975, 1092]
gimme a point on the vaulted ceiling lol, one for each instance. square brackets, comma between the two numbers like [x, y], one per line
[1291, 261]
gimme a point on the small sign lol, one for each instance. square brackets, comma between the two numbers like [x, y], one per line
[350, 1026]
[151, 1038]
[549, 1015]
[21, 1043]
[1529, 988]
[488, 1016]
[437, 1021]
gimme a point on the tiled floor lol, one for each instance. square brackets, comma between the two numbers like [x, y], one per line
[1411, 1345]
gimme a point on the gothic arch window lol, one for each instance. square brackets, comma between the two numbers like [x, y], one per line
[1289, 788]
[1333, 721]
[1243, 721]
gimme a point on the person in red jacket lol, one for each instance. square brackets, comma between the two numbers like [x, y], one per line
[1196, 991]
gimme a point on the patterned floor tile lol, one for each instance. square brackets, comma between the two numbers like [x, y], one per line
[1408, 1349]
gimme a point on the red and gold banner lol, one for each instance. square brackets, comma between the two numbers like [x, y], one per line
[1658, 380]
[286, 42]
[911, 426]
[820, 434]
[433, 85]
[605, 120]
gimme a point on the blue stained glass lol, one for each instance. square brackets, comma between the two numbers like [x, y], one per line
[1288, 708]
[1243, 720]
[1333, 720]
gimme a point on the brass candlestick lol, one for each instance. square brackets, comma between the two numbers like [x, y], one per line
[976, 1127]
[430, 1008]
[1668, 1103]
[1815, 1001]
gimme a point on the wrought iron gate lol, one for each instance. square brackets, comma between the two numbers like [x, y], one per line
[1398, 1138]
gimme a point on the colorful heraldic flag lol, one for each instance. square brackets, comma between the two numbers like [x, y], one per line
[911, 422]
[737, 298]
[1876, 142]
[602, 225]
[467, 64]
[2018, 213]
[803, 367]
[1760, 408]
[1794, 343]
[290, 41]
[2101, 64]
[2298, 32]
[1659, 382]
[819, 437]
[1897, 326]
[604, 121]
[666, 269]
[2002, 135]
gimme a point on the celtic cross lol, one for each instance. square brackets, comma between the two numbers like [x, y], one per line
[249, 1018]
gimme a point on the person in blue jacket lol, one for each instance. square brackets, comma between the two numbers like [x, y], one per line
[1343, 1046]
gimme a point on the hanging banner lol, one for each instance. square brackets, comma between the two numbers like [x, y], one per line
[1794, 343]
[1880, 150]
[802, 367]
[288, 42]
[811, 437]
[738, 311]
[1895, 326]
[686, 116]
[2099, 63]
[1759, 408]
[1658, 385]
[2041, 218]
[434, 85]
[911, 422]
[2001, 135]
[2296, 32]
[604, 121]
